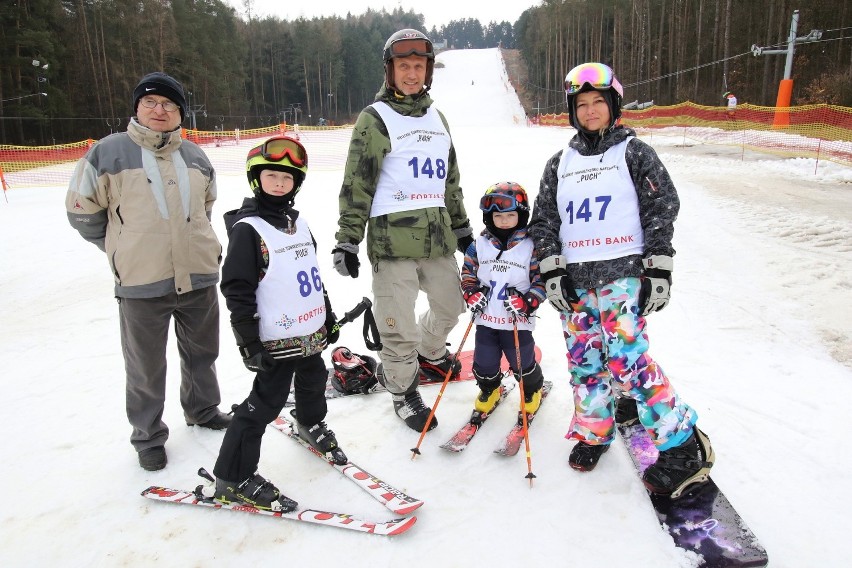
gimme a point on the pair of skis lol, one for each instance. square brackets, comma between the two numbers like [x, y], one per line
[392, 498]
[511, 444]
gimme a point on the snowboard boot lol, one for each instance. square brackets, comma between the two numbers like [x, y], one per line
[410, 408]
[254, 491]
[321, 439]
[584, 457]
[435, 370]
[626, 413]
[680, 467]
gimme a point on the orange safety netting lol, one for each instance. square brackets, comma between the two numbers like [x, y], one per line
[822, 132]
[42, 166]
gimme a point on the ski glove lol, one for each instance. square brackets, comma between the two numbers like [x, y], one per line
[332, 330]
[477, 299]
[465, 238]
[346, 261]
[255, 356]
[521, 305]
[656, 283]
[560, 289]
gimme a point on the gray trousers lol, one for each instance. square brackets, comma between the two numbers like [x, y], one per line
[144, 335]
[396, 285]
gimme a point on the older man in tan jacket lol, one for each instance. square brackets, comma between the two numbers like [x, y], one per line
[145, 198]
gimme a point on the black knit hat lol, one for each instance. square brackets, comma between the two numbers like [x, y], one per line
[158, 83]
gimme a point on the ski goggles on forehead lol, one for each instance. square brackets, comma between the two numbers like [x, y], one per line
[598, 75]
[502, 202]
[406, 47]
[276, 149]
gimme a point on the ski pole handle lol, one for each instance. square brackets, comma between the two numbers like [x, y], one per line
[349, 316]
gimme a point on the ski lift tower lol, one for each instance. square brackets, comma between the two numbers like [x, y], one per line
[785, 87]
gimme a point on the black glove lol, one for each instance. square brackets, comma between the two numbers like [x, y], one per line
[332, 330]
[255, 356]
[521, 305]
[464, 237]
[656, 283]
[464, 243]
[560, 289]
[346, 261]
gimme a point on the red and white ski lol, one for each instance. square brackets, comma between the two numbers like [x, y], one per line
[462, 438]
[338, 520]
[511, 444]
[389, 496]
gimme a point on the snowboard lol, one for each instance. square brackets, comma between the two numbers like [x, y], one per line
[702, 520]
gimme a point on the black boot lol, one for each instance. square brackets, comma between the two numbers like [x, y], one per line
[584, 457]
[255, 491]
[321, 438]
[679, 467]
[435, 370]
[410, 408]
[626, 413]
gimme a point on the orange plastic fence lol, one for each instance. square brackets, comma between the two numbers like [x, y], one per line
[43, 166]
[823, 132]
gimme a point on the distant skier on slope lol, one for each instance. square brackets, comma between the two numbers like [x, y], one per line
[602, 226]
[732, 104]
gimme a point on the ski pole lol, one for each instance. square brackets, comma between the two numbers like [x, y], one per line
[349, 316]
[370, 328]
[530, 475]
[415, 451]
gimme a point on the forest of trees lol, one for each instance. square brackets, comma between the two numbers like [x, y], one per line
[670, 51]
[68, 67]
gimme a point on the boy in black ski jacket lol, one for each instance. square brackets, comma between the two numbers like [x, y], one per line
[282, 320]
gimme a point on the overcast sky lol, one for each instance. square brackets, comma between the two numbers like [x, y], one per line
[436, 12]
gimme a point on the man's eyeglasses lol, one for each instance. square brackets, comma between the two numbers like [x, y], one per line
[168, 106]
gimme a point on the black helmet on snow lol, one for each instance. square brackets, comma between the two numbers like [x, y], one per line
[404, 43]
[353, 373]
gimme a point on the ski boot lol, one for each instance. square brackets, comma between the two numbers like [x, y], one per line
[254, 491]
[321, 439]
[533, 382]
[488, 397]
[678, 468]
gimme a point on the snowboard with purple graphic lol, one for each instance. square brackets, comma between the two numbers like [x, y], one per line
[702, 520]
